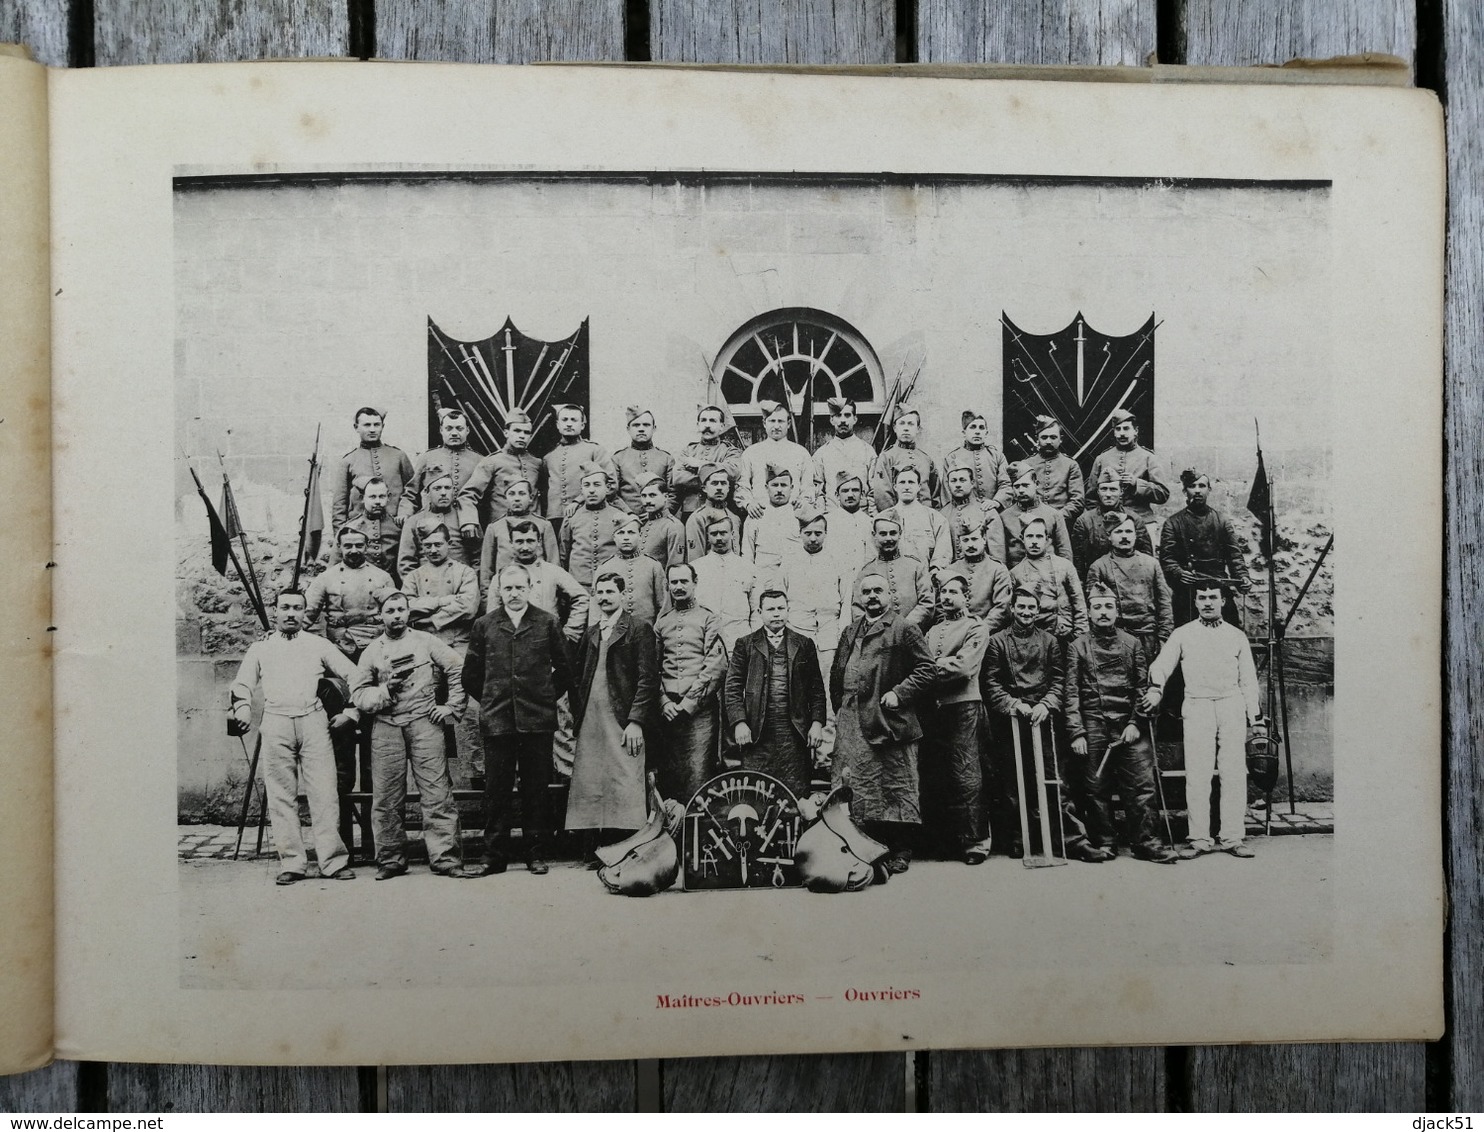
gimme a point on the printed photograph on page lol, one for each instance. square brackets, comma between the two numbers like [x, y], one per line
[841, 576]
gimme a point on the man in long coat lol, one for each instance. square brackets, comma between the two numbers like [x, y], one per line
[882, 666]
[516, 668]
[613, 699]
[774, 698]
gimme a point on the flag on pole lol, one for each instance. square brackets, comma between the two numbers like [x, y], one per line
[221, 541]
[228, 510]
[1260, 503]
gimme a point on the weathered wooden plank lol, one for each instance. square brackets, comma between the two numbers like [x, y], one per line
[53, 1089]
[1304, 1077]
[773, 31]
[230, 1088]
[563, 1086]
[1463, 43]
[40, 24]
[1047, 1080]
[1381, 1077]
[506, 31]
[1079, 32]
[199, 31]
[814, 1083]
[1228, 33]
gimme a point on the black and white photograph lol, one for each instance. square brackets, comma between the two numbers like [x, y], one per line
[645, 587]
[678, 536]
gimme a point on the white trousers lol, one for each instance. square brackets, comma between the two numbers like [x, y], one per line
[297, 752]
[1216, 742]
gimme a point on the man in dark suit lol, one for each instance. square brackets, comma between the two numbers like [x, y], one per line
[516, 668]
[774, 697]
[613, 701]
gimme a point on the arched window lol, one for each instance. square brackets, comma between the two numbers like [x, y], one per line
[800, 357]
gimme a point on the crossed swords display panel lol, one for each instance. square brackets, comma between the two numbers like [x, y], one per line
[489, 377]
[1080, 376]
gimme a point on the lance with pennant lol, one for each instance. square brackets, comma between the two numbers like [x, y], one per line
[312, 522]
[222, 551]
[233, 522]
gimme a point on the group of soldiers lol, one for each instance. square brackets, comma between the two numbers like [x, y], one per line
[882, 621]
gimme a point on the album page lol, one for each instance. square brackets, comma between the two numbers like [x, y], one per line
[358, 280]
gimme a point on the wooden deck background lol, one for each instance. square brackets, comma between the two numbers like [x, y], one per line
[1445, 41]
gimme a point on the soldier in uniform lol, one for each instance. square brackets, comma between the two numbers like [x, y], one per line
[1058, 478]
[660, 534]
[1144, 603]
[349, 594]
[453, 457]
[725, 582]
[643, 591]
[443, 599]
[954, 726]
[1110, 743]
[482, 497]
[909, 590]
[396, 684]
[716, 483]
[383, 531]
[640, 460]
[818, 583]
[692, 660]
[924, 532]
[371, 459]
[566, 465]
[850, 523]
[1138, 472]
[775, 697]
[1025, 506]
[296, 750]
[497, 552]
[843, 452]
[549, 587]
[440, 514]
[906, 424]
[1199, 544]
[1023, 676]
[775, 450]
[1054, 582]
[686, 476]
[963, 509]
[769, 537]
[989, 473]
[1090, 533]
[882, 666]
[586, 538]
[987, 583]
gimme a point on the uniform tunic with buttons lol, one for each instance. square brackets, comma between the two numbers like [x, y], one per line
[1150, 488]
[692, 661]
[1090, 539]
[351, 601]
[635, 465]
[444, 601]
[991, 473]
[417, 528]
[884, 474]
[909, 590]
[752, 484]
[1145, 607]
[1205, 542]
[497, 550]
[483, 493]
[697, 542]
[1054, 580]
[368, 462]
[1013, 520]
[1060, 481]
[989, 591]
[587, 538]
[685, 475]
[767, 539]
[644, 585]
[383, 540]
[925, 535]
[994, 529]
[563, 468]
[662, 537]
[834, 456]
[458, 463]
[849, 538]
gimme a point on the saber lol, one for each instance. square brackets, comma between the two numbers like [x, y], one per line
[252, 781]
[1097, 432]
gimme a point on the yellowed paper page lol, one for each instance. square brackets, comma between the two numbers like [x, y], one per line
[25, 589]
[247, 254]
